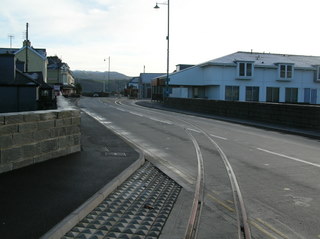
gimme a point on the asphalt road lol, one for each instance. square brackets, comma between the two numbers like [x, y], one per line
[278, 173]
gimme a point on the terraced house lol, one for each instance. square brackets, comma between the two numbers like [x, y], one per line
[23, 79]
[60, 76]
[251, 76]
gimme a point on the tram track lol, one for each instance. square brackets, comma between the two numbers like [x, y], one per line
[159, 134]
[194, 219]
[243, 227]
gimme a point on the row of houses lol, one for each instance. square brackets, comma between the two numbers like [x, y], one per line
[29, 80]
[248, 76]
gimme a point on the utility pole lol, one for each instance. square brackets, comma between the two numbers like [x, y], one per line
[11, 37]
[27, 44]
[108, 76]
[109, 73]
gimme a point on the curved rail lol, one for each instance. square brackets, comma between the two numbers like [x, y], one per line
[193, 223]
[242, 218]
[243, 223]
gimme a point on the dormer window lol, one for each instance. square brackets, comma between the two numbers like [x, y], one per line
[244, 70]
[285, 71]
[318, 74]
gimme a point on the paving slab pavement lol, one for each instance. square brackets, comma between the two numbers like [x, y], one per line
[36, 198]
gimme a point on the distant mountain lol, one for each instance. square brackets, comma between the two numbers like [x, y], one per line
[94, 81]
[98, 75]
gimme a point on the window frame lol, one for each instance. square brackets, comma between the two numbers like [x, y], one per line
[317, 74]
[245, 69]
[235, 93]
[291, 94]
[273, 98]
[285, 71]
[251, 90]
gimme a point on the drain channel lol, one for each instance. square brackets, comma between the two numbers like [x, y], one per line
[137, 209]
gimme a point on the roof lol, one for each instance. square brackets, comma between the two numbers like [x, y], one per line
[31, 78]
[54, 62]
[266, 59]
[134, 80]
[8, 50]
[38, 78]
[24, 79]
[40, 52]
[147, 77]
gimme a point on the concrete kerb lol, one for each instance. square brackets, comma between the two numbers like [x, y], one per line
[75, 217]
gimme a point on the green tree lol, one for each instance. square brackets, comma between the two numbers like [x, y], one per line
[78, 88]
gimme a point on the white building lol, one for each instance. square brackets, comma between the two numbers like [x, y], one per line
[251, 76]
[145, 84]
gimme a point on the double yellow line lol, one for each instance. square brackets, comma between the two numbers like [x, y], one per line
[266, 226]
[258, 223]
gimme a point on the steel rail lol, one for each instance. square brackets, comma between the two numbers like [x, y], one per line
[243, 222]
[198, 199]
[242, 218]
[194, 219]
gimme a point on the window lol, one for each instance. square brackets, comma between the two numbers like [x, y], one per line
[292, 95]
[286, 71]
[318, 74]
[310, 95]
[252, 93]
[272, 94]
[44, 93]
[245, 69]
[232, 93]
[195, 92]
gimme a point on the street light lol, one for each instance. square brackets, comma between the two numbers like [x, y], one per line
[107, 75]
[168, 45]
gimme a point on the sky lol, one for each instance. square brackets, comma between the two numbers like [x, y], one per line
[85, 33]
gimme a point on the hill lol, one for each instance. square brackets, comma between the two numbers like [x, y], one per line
[98, 75]
[94, 81]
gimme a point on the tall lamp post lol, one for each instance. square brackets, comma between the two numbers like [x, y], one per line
[108, 74]
[168, 45]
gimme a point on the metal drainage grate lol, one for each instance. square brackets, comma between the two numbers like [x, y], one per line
[138, 209]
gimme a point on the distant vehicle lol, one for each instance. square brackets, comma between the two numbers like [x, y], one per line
[95, 95]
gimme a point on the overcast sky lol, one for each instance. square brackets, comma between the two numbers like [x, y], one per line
[85, 32]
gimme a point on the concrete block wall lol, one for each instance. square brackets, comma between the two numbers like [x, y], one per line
[31, 137]
[294, 115]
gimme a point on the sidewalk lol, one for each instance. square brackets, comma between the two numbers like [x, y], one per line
[36, 198]
[280, 128]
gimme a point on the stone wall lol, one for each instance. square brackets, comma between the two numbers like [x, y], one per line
[294, 115]
[31, 137]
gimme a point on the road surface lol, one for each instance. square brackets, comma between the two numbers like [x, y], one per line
[278, 173]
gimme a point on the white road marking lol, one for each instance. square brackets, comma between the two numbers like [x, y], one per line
[105, 122]
[134, 113]
[212, 135]
[155, 153]
[289, 157]
[161, 121]
[194, 130]
[219, 137]
[141, 115]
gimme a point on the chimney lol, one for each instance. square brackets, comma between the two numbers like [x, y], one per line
[27, 43]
